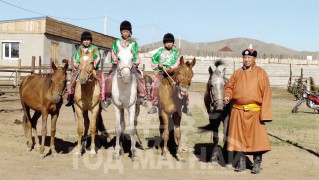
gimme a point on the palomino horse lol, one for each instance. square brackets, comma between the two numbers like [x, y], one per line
[124, 95]
[216, 108]
[172, 91]
[42, 93]
[87, 98]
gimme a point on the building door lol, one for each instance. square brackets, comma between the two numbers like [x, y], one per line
[54, 51]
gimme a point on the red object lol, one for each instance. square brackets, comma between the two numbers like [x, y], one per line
[314, 98]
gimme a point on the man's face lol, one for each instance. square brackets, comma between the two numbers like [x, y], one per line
[248, 61]
[168, 45]
[86, 42]
[125, 33]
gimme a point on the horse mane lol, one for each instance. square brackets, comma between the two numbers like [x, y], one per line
[218, 63]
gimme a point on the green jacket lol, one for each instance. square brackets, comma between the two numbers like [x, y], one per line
[169, 59]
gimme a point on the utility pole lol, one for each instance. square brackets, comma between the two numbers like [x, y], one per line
[179, 41]
[153, 34]
[105, 19]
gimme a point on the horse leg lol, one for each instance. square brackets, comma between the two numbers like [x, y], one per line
[43, 132]
[177, 123]
[161, 130]
[228, 155]
[34, 121]
[165, 118]
[27, 127]
[95, 113]
[215, 124]
[118, 132]
[54, 118]
[80, 130]
[86, 129]
[137, 137]
[132, 130]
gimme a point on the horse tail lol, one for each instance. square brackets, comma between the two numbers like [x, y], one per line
[206, 128]
[25, 126]
[219, 62]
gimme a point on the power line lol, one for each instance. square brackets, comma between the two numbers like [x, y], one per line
[48, 15]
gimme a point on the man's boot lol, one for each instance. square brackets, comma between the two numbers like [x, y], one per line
[241, 164]
[257, 162]
[70, 100]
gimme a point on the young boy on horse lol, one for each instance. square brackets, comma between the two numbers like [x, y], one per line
[87, 46]
[164, 58]
[125, 40]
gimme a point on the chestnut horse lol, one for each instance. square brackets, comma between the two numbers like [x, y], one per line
[87, 98]
[42, 93]
[172, 91]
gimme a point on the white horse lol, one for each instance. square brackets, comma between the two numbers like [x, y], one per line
[124, 95]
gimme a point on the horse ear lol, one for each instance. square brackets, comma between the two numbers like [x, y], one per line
[181, 60]
[66, 64]
[193, 62]
[210, 70]
[224, 71]
[53, 65]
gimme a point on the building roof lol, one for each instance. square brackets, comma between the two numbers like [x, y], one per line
[47, 25]
[226, 49]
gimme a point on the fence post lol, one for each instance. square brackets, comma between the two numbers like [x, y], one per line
[33, 65]
[40, 65]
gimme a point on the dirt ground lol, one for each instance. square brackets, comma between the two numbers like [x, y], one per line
[294, 139]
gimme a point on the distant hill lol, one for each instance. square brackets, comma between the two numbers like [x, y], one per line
[237, 45]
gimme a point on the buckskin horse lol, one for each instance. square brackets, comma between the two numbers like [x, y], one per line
[43, 94]
[172, 91]
[87, 98]
[217, 110]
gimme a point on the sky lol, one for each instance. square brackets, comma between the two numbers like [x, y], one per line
[290, 23]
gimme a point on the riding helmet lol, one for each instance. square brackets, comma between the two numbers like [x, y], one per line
[86, 35]
[168, 37]
[126, 25]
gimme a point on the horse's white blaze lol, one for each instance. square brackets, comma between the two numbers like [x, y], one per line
[85, 58]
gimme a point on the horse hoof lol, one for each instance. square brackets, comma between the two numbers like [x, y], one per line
[229, 166]
[135, 159]
[214, 163]
[92, 155]
[41, 156]
[28, 149]
[116, 157]
[77, 154]
[55, 155]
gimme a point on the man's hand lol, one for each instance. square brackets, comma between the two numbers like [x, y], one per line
[226, 99]
[160, 66]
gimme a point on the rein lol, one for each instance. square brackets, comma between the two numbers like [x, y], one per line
[173, 82]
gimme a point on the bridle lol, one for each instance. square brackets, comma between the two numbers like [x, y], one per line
[119, 70]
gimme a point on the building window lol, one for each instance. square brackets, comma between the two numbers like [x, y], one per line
[11, 50]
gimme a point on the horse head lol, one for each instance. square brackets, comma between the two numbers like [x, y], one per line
[184, 76]
[125, 65]
[86, 67]
[216, 83]
[58, 80]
